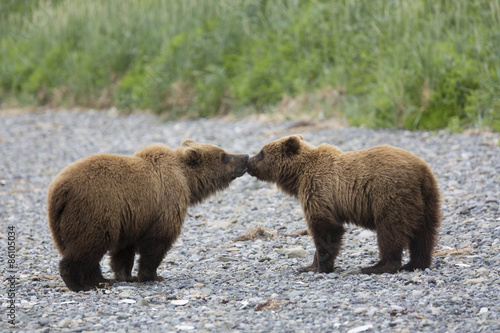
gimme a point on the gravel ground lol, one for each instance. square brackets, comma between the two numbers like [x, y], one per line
[214, 283]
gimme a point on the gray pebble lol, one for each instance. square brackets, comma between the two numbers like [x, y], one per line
[142, 302]
[64, 323]
[295, 294]
[43, 321]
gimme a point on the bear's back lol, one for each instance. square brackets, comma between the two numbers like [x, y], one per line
[362, 184]
[384, 161]
[150, 167]
[125, 193]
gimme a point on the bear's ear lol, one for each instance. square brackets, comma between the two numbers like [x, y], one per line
[192, 157]
[292, 145]
[187, 143]
[300, 136]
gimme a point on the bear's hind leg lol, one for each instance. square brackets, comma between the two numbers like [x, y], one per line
[80, 266]
[423, 241]
[82, 274]
[391, 247]
[70, 273]
[122, 262]
[421, 247]
[389, 264]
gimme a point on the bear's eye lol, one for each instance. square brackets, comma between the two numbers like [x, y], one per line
[260, 156]
[224, 158]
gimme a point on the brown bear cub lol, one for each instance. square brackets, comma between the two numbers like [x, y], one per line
[385, 189]
[133, 204]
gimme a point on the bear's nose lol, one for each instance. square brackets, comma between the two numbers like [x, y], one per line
[246, 157]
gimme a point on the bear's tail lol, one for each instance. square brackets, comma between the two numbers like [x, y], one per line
[56, 204]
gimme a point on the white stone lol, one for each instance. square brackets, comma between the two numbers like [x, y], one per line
[184, 327]
[366, 234]
[65, 323]
[222, 224]
[296, 252]
[360, 328]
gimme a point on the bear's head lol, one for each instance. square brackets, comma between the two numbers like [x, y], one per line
[280, 162]
[210, 168]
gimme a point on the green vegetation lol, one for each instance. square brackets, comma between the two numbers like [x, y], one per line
[422, 64]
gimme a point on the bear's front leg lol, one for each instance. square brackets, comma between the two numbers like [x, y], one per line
[152, 252]
[148, 264]
[327, 234]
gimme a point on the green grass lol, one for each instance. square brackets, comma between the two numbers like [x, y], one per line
[397, 63]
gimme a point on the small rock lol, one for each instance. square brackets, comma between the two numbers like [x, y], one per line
[294, 294]
[128, 301]
[354, 323]
[475, 281]
[296, 252]
[126, 293]
[352, 271]
[435, 311]
[396, 322]
[226, 259]
[65, 323]
[366, 234]
[359, 310]
[228, 324]
[222, 224]
[184, 327]
[361, 328]
[206, 291]
[483, 310]
[143, 302]
[467, 210]
[43, 321]
[397, 307]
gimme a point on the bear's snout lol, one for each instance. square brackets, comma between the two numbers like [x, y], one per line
[252, 166]
[239, 164]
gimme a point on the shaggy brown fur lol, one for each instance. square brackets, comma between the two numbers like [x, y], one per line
[385, 189]
[133, 204]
